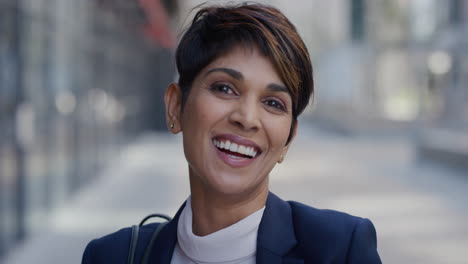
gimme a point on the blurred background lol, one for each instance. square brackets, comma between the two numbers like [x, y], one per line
[84, 149]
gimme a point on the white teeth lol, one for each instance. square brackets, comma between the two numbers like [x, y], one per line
[242, 150]
[234, 147]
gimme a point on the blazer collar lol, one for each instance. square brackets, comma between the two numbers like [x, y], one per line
[275, 235]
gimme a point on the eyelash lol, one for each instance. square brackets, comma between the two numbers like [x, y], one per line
[218, 87]
[223, 88]
[279, 105]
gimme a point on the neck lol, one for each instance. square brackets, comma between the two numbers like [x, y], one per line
[213, 211]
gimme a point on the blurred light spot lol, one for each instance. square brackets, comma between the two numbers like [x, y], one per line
[98, 100]
[115, 111]
[439, 62]
[105, 106]
[65, 102]
[394, 86]
[400, 108]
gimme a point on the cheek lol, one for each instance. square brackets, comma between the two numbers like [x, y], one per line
[278, 132]
[194, 114]
[193, 127]
[201, 114]
[204, 107]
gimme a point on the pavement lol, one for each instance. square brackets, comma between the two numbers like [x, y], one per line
[449, 146]
[419, 208]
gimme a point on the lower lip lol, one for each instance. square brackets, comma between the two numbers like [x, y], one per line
[234, 162]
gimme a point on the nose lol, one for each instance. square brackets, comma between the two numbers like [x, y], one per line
[245, 115]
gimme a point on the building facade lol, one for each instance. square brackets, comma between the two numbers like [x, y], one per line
[78, 79]
[402, 62]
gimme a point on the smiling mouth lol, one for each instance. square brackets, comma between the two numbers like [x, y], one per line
[235, 150]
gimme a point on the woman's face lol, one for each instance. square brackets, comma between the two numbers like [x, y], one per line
[235, 123]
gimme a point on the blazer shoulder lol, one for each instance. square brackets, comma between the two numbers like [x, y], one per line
[338, 234]
[331, 221]
[113, 248]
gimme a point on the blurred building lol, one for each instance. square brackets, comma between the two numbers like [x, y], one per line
[386, 64]
[78, 79]
[401, 66]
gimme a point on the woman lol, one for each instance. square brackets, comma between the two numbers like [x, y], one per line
[245, 77]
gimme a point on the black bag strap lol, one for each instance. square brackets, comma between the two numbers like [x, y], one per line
[133, 244]
[150, 244]
[134, 238]
[155, 215]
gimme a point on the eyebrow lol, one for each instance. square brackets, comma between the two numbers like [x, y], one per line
[277, 88]
[238, 76]
[234, 74]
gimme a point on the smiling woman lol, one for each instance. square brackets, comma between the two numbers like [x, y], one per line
[234, 102]
[245, 77]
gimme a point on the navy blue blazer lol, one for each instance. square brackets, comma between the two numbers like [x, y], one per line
[289, 232]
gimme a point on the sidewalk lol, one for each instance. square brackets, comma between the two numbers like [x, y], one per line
[445, 146]
[149, 176]
[419, 210]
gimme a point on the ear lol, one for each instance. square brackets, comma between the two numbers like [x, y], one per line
[286, 147]
[173, 102]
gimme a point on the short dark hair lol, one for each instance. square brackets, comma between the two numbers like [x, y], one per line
[215, 30]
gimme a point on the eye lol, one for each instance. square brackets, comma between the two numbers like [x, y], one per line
[222, 88]
[275, 104]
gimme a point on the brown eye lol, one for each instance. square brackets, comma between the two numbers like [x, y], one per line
[222, 88]
[275, 104]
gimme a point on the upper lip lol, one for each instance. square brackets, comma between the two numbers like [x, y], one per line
[239, 140]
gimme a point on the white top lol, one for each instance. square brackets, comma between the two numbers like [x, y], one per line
[234, 244]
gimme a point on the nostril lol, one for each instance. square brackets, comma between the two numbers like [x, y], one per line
[239, 124]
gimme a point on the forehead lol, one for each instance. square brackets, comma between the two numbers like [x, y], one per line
[249, 61]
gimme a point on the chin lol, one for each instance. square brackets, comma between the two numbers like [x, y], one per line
[231, 185]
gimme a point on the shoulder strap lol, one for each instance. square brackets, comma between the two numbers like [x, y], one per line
[154, 215]
[150, 244]
[134, 238]
[133, 244]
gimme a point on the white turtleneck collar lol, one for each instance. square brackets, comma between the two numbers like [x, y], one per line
[234, 244]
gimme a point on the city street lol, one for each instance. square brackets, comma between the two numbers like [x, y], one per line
[420, 209]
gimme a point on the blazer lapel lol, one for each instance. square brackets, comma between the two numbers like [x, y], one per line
[276, 233]
[165, 243]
